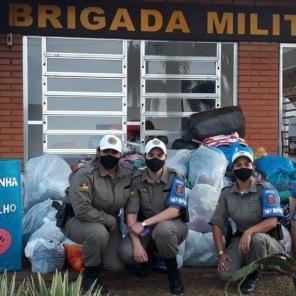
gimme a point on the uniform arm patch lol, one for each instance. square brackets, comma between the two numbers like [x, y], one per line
[84, 187]
[176, 196]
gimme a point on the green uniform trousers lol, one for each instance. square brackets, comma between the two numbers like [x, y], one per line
[100, 247]
[164, 239]
[262, 245]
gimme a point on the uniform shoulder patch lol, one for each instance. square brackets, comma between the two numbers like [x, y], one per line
[84, 186]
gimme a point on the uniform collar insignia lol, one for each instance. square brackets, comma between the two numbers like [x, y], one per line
[144, 189]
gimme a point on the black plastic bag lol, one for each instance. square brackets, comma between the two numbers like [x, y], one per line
[184, 144]
[222, 121]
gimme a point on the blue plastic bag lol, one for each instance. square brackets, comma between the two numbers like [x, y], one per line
[229, 150]
[274, 164]
[280, 172]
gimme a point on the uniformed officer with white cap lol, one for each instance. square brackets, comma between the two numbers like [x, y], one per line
[97, 192]
[255, 208]
[153, 215]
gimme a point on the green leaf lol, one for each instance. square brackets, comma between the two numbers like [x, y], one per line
[284, 261]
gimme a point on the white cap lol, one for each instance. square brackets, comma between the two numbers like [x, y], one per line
[242, 153]
[155, 143]
[110, 142]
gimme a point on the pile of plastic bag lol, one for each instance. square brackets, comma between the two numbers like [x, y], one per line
[46, 178]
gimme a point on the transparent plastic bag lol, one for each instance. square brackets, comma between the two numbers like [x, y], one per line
[207, 166]
[179, 160]
[202, 203]
[48, 256]
[180, 255]
[199, 250]
[44, 248]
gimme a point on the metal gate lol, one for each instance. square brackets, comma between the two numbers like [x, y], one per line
[84, 96]
[177, 79]
[134, 89]
[288, 98]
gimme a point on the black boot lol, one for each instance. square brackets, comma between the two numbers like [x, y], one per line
[142, 270]
[249, 284]
[176, 286]
[294, 280]
[90, 277]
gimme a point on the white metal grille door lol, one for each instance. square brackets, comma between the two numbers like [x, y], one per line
[288, 99]
[84, 95]
[177, 79]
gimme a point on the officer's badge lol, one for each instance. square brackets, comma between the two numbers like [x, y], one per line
[156, 142]
[83, 186]
[144, 189]
[271, 199]
[112, 141]
[180, 188]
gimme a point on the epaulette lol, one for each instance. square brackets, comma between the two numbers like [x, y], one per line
[171, 170]
[227, 187]
[264, 184]
[138, 173]
[125, 164]
[137, 177]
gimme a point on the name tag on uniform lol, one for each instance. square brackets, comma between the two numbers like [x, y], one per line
[271, 204]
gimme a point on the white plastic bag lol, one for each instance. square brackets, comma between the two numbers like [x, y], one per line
[199, 250]
[34, 218]
[45, 177]
[287, 241]
[48, 231]
[207, 166]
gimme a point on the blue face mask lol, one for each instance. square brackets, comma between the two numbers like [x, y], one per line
[243, 174]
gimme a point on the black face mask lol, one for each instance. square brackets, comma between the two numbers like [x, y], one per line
[154, 164]
[243, 173]
[108, 161]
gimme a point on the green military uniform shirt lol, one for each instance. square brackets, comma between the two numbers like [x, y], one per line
[147, 197]
[244, 208]
[93, 194]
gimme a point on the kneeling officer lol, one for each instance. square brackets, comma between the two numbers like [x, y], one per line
[154, 215]
[97, 192]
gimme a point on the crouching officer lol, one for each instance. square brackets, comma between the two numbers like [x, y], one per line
[97, 191]
[255, 208]
[153, 215]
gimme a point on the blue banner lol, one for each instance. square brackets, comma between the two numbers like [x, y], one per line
[10, 215]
